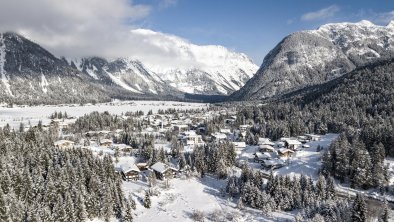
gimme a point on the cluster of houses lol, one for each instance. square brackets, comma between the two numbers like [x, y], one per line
[271, 155]
[189, 127]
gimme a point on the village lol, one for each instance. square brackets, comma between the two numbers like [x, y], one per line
[190, 130]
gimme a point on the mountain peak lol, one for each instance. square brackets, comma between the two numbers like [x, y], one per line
[365, 23]
[390, 25]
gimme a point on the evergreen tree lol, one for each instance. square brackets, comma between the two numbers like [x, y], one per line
[359, 211]
[128, 217]
[4, 214]
[147, 201]
[384, 217]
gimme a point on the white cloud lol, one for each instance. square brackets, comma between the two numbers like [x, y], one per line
[80, 28]
[382, 18]
[73, 27]
[321, 14]
[167, 3]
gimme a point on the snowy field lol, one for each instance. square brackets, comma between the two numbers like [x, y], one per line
[177, 203]
[32, 114]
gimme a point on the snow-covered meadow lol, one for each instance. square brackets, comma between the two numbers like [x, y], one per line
[185, 196]
[32, 114]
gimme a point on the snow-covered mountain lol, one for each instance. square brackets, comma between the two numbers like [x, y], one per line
[31, 75]
[130, 75]
[183, 66]
[315, 56]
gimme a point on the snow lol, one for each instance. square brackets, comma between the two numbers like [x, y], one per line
[184, 196]
[306, 161]
[219, 64]
[4, 78]
[92, 72]
[44, 83]
[32, 114]
[119, 81]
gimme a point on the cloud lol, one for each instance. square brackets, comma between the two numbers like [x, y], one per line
[73, 27]
[381, 18]
[321, 14]
[82, 28]
[167, 3]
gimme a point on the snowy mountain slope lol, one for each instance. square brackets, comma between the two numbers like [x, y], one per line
[130, 75]
[176, 65]
[315, 56]
[208, 69]
[31, 75]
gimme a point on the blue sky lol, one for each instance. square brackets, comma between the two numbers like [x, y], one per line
[254, 26]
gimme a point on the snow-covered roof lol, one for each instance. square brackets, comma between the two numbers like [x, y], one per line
[262, 155]
[105, 141]
[239, 144]
[61, 142]
[159, 167]
[266, 141]
[285, 150]
[219, 135]
[293, 142]
[126, 164]
[267, 147]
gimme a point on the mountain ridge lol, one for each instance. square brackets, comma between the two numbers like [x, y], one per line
[314, 56]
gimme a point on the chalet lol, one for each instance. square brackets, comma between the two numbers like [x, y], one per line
[106, 142]
[225, 131]
[306, 146]
[265, 141]
[313, 137]
[190, 138]
[260, 157]
[302, 139]
[239, 145]
[64, 144]
[266, 148]
[292, 144]
[218, 137]
[91, 133]
[273, 164]
[128, 170]
[181, 128]
[163, 171]
[283, 152]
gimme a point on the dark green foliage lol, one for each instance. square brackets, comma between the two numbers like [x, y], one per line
[42, 183]
[359, 211]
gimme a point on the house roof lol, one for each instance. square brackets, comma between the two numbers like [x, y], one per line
[105, 141]
[126, 165]
[284, 150]
[61, 142]
[159, 167]
[262, 155]
[265, 146]
[293, 142]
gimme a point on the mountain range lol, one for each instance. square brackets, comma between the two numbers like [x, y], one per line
[32, 75]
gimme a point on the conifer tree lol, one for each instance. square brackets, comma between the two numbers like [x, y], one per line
[359, 211]
[147, 201]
